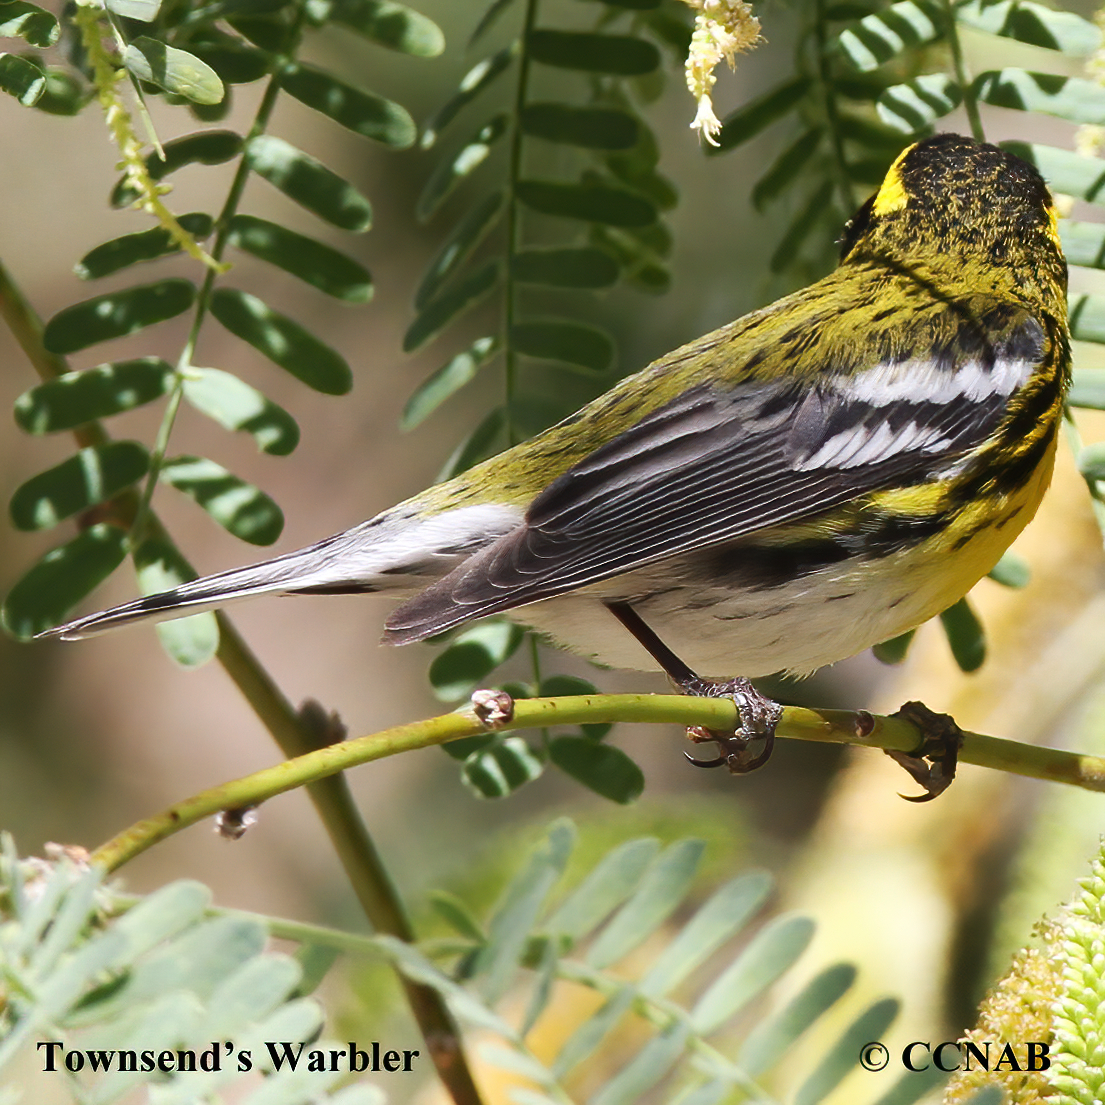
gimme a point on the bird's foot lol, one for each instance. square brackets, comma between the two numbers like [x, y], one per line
[933, 764]
[759, 715]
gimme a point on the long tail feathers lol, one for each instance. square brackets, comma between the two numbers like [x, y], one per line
[296, 572]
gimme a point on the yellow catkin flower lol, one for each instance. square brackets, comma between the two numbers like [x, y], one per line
[722, 29]
[106, 77]
[1018, 1009]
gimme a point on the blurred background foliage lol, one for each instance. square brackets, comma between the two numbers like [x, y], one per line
[928, 901]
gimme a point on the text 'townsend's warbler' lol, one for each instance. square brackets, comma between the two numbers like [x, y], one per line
[814, 478]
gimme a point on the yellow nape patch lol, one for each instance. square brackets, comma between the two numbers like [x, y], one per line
[892, 196]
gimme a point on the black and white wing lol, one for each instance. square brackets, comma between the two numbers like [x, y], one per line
[721, 463]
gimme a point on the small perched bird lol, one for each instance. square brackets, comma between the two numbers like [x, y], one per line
[810, 480]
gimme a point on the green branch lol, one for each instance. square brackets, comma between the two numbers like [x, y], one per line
[826, 726]
[295, 732]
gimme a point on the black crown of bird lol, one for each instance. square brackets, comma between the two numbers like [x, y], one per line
[814, 478]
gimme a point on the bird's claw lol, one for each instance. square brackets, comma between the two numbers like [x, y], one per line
[933, 764]
[759, 715]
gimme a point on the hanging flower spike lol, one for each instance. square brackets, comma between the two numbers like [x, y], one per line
[1089, 139]
[722, 29]
[106, 77]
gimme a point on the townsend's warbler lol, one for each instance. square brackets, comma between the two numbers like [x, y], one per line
[814, 478]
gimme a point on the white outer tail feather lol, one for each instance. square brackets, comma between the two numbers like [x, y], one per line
[397, 550]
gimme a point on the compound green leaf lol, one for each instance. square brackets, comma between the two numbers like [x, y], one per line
[464, 747]
[1033, 23]
[641, 267]
[625, 169]
[268, 31]
[1087, 317]
[23, 79]
[143, 10]
[145, 245]
[570, 342]
[282, 340]
[786, 168]
[117, 314]
[447, 380]
[458, 246]
[634, 1081]
[578, 267]
[877, 38]
[721, 917]
[1083, 243]
[868, 171]
[747, 121]
[894, 651]
[235, 61]
[239, 507]
[620, 55]
[911, 1088]
[309, 183]
[454, 301]
[568, 686]
[872, 134]
[517, 911]
[471, 657]
[500, 769]
[208, 147]
[1071, 98]
[392, 25]
[450, 172]
[844, 1055]
[28, 22]
[595, 128]
[173, 70]
[92, 393]
[318, 264]
[64, 576]
[771, 1039]
[190, 641]
[1088, 389]
[768, 956]
[917, 104]
[713, 1092]
[353, 108]
[801, 226]
[64, 93]
[615, 877]
[93, 476]
[484, 441]
[1065, 170]
[587, 1037]
[479, 77]
[454, 912]
[659, 894]
[232, 403]
[600, 767]
[488, 19]
[1011, 571]
[599, 203]
[965, 635]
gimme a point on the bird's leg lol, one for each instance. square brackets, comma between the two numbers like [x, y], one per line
[759, 715]
[933, 764]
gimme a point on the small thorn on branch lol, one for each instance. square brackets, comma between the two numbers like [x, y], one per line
[493, 709]
[233, 824]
